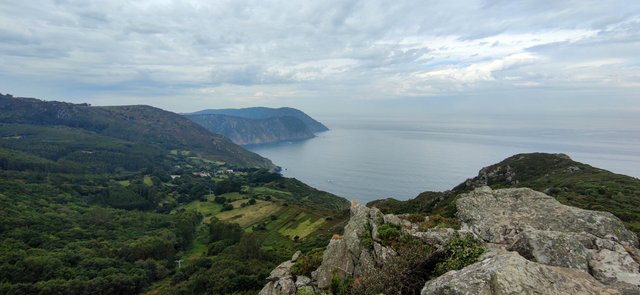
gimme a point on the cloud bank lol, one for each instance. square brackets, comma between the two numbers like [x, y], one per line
[325, 55]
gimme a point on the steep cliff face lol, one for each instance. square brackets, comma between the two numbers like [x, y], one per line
[245, 131]
[259, 113]
[258, 125]
[511, 241]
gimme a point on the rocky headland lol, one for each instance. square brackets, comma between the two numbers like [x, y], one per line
[503, 241]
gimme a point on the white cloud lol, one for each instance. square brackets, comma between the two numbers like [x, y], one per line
[280, 52]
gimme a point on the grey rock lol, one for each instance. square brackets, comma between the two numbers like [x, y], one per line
[281, 271]
[382, 253]
[510, 273]
[295, 256]
[338, 260]
[552, 248]
[347, 256]
[545, 231]
[302, 281]
[498, 216]
[393, 219]
[436, 236]
[280, 281]
[615, 268]
[284, 286]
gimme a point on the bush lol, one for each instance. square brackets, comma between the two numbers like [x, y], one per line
[438, 220]
[389, 233]
[227, 207]
[460, 251]
[307, 263]
[340, 286]
[404, 273]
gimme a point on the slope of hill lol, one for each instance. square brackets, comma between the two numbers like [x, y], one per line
[92, 204]
[264, 113]
[570, 182]
[137, 124]
[245, 131]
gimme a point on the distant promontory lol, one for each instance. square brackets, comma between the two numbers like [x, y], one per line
[258, 125]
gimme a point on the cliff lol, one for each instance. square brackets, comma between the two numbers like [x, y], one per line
[504, 241]
[244, 131]
[258, 113]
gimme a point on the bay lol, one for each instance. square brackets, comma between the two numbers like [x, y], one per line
[366, 159]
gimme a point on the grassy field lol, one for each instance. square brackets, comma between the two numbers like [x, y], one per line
[303, 228]
[270, 191]
[206, 208]
[251, 214]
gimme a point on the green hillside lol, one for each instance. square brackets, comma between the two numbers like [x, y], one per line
[570, 182]
[136, 124]
[92, 205]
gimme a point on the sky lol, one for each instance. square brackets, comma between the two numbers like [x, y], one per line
[414, 58]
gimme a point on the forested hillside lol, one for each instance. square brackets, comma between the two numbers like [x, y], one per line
[137, 124]
[92, 205]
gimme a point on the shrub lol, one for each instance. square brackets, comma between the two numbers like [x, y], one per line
[307, 263]
[367, 240]
[439, 221]
[340, 286]
[460, 251]
[389, 233]
[404, 273]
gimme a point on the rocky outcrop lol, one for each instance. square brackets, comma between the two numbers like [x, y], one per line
[281, 282]
[542, 230]
[498, 216]
[245, 131]
[510, 273]
[533, 245]
[349, 255]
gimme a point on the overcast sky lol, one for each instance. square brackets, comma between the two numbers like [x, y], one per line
[328, 57]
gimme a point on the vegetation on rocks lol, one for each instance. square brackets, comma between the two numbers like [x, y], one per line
[460, 251]
[570, 182]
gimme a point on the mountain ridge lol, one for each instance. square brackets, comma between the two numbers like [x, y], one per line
[246, 131]
[139, 124]
[264, 113]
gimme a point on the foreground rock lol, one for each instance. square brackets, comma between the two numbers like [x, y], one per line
[497, 216]
[542, 230]
[533, 245]
[280, 280]
[510, 273]
[347, 255]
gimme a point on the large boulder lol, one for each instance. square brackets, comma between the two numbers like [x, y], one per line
[552, 248]
[497, 216]
[542, 230]
[280, 280]
[510, 273]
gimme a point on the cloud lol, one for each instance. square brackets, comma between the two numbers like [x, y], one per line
[182, 54]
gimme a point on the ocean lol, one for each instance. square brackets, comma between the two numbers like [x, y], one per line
[368, 159]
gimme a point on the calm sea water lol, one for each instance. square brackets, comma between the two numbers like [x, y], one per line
[372, 159]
